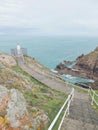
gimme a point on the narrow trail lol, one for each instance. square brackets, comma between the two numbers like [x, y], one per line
[82, 115]
[53, 83]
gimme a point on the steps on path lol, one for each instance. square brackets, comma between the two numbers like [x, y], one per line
[82, 115]
[72, 124]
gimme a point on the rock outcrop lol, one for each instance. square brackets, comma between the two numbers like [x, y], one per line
[7, 60]
[13, 106]
[89, 63]
[86, 67]
[14, 114]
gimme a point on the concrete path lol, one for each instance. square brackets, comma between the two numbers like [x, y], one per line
[45, 79]
[82, 115]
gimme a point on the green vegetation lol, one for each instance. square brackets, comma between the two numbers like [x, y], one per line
[59, 120]
[96, 98]
[50, 105]
[19, 70]
[13, 80]
[43, 97]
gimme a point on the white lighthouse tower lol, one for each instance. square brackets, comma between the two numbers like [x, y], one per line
[20, 55]
[19, 50]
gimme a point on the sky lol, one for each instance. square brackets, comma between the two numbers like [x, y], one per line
[49, 17]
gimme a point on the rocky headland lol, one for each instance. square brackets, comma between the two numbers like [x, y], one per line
[86, 66]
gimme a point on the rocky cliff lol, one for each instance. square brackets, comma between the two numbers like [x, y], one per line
[86, 66]
[89, 62]
[25, 103]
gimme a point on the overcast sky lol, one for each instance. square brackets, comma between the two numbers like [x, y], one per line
[49, 17]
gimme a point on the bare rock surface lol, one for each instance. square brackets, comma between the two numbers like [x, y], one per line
[14, 104]
[16, 108]
[7, 60]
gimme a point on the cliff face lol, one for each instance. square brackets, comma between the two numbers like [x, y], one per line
[86, 67]
[89, 62]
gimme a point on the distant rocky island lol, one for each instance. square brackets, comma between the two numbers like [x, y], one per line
[85, 66]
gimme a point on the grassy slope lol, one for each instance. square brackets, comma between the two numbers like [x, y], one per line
[42, 96]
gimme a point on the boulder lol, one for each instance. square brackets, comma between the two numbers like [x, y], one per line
[16, 115]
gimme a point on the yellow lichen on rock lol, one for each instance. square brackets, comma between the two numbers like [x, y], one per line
[6, 120]
[1, 119]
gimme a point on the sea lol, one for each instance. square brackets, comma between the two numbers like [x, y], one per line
[51, 50]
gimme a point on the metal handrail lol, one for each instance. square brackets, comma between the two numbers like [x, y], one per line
[92, 93]
[67, 102]
[95, 93]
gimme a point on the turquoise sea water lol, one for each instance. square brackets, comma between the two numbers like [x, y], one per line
[50, 51]
[74, 80]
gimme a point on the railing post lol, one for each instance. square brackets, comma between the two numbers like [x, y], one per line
[69, 104]
[92, 93]
[68, 108]
[72, 95]
[70, 99]
[92, 103]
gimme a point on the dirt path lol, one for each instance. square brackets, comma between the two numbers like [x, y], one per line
[51, 82]
[82, 114]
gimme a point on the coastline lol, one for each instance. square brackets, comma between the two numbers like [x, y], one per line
[86, 67]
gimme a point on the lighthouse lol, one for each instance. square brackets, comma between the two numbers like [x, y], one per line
[19, 50]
